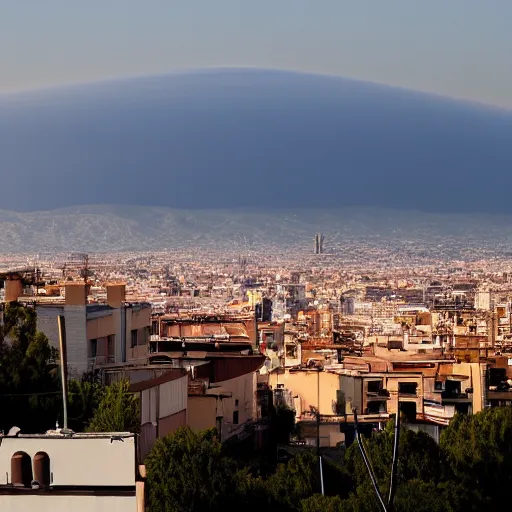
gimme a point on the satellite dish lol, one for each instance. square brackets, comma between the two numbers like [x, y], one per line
[14, 432]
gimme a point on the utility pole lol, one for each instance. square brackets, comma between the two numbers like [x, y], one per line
[318, 412]
[63, 367]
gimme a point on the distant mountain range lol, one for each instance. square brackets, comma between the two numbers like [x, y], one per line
[239, 138]
[123, 228]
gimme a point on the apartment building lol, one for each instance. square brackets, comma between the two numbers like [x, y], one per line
[97, 333]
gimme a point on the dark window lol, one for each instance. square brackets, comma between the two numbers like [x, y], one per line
[236, 403]
[497, 376]
[94, 347]
[235, 417]
[376, 407]
[407, 388]
[143, 340]
[452, 388]
[291, 351]
[134, 337]
[111, 339]
[408, 409]
[340, 404]
[374, 386]
[154, 327]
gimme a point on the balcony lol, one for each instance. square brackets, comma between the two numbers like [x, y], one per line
[94, 362]
[454, 397]
[381, 394]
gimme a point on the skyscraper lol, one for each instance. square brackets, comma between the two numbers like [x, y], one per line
[319, 243]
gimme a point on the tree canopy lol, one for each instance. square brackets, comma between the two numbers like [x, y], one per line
[117, 411]
[187, 472]
[478, 449]
[29, 382]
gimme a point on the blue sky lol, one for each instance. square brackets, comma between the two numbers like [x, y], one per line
[460, 48]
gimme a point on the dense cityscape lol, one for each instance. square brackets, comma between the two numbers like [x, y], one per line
[219, 340]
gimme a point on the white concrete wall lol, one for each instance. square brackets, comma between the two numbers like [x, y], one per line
[48, 503]
[48, 324]
[76, 461]
[173, 396]
[76, 339]
[243, 389]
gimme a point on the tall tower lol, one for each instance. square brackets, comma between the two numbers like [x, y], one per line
[319, 243]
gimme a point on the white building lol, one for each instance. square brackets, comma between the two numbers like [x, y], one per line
[79, 472]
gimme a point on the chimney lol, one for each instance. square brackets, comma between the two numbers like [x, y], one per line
[76, 294]
[13, 289]
[116, 294]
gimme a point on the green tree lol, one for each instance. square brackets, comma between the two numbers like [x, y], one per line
[29, 384]
[84, 398]
[294, 481]
[478, 449]
[419, 458]
[320, 503]
[118, 410]
[421, 471]
[187, 472]
[300, 478]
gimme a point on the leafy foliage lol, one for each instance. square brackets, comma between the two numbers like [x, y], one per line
[420, 458]
[478, 449]
[118, 409]
[320, 503]
[84, 398]
[29, 383]
[187, 472]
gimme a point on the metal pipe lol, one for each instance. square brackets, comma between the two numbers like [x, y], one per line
[394, 464]
[256, 334]
[321, 477]
[318, 413]
[63, 367]
[367, 464]
[483, 383]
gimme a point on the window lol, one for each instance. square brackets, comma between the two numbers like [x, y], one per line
[452, 388]
[235, 417]
[134, 338]
[111, 344]
[143, 339]
[439, 385]
[374, 386]
[236, 403]
[154, 327]
[408, 409]
[93, 347]
[407, 388]
[291, 351]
